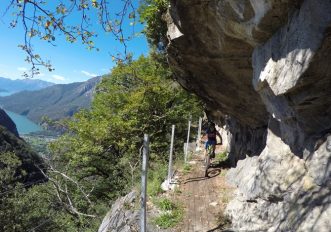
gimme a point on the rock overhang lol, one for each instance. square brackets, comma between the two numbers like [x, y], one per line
[211, 46]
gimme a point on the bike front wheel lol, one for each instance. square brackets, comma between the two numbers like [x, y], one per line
[207, 163]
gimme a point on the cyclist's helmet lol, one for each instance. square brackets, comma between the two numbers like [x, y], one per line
[211, 125]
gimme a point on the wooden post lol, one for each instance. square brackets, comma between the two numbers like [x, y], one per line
[199, 135]
[144, 183]
[170, 155]
[188, 139]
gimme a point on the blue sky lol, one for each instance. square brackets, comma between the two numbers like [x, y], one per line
[72, 62]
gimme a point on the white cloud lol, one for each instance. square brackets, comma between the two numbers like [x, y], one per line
[22, 69]
[89, 74]
[4, 74]
[58, 77]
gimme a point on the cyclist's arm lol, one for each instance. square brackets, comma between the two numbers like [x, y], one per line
[204, 135]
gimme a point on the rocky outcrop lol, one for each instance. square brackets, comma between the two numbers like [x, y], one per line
[263, 69]
[123, 216]
[6, 122]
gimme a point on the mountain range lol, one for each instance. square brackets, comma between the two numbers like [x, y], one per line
[56, 101]
[9, 86]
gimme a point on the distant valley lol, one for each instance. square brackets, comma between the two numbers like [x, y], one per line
[9, 86]
[56, 101]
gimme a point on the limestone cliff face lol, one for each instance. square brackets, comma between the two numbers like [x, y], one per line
[263, 69]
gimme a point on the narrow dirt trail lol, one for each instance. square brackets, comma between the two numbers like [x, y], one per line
[204, 198]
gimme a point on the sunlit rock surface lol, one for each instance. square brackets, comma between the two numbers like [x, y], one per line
[123, 216]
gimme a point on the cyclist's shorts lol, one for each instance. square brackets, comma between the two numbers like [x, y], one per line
[210, 143]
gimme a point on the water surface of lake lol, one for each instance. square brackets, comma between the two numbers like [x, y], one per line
[23, 124]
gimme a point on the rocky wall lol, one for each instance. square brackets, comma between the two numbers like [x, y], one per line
[278, 191]
[244, 141]
[210, 51]
[265, 66]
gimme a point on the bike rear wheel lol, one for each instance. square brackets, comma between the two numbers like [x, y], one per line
[207, 161]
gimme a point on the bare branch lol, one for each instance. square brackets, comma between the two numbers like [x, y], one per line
[66, 201]
[78, 186]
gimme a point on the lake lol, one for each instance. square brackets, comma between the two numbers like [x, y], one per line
[23, 124]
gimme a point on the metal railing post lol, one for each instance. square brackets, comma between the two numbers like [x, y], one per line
[199, 135]
[170, 155]
[188, 139]
[144, 183]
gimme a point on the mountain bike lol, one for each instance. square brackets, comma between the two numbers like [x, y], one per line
[207, 159]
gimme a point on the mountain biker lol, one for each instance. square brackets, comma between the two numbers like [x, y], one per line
[211, 133]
